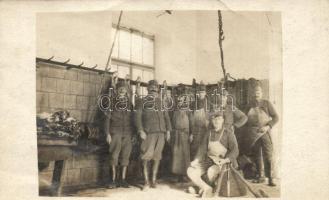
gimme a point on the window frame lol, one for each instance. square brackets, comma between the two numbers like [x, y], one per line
[131, 64]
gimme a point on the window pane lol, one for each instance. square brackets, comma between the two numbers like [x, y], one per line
[124, 45]
[148, 51]
[115, 52]
[147, 75]
[123, 71]
[136, 51]
[136, 73]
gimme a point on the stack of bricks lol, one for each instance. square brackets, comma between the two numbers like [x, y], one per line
[76, 91]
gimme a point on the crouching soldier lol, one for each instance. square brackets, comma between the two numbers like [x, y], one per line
[218, 148]
[153, 125]
[119, 127]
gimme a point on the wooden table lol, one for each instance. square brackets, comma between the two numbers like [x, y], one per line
[58, 150]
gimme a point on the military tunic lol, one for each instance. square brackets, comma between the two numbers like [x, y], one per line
[155, 122]
[120, 126]
[260, 114]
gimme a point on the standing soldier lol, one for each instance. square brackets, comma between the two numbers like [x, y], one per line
[261, 118]
[199, 120]
[153, 125]
[181, 135]
[119, 129]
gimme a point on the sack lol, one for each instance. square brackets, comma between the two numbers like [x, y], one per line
[230, 185]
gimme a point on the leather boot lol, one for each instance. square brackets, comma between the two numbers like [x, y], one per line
[113, 183]
[271, 182]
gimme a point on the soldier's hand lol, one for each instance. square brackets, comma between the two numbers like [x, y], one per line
[108, 138]
[191, 138]
[195, 162]
[168, 136]
[142, 134]
[265, 129]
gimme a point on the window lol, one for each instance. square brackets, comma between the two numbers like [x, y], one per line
[133, 54]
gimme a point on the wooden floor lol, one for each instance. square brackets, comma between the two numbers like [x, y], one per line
[166, 190]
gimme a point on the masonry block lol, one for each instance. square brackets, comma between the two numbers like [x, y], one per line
[88, 175]
[42, 70]
[70, 101]
[73, 177]
[48, 84]
[98, 89]
[42, 99]
[63, 86]
[89, 89]
[69, 164]
[83, 76]
[76, 87]
[92, 103]
[82, 102]
[56, 100]
[56, 72]
[38, 83]
[71, 74]
[94, 77]
[103, 174]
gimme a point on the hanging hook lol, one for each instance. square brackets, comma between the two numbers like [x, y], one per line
[68, 60]
[49, 59]
[81, 64]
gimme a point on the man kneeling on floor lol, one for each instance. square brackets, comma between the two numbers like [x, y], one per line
[218, 148]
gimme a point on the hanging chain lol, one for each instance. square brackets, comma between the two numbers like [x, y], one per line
[221, 37]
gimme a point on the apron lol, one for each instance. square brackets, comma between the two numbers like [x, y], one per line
[228, 183]
[257, 118]
[216, 150]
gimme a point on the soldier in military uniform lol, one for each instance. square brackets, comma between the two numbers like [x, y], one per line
[153, 125]
[180, 142]
[119, 128]
[199, 120]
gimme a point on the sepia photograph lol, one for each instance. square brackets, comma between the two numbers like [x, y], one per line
[177, 103]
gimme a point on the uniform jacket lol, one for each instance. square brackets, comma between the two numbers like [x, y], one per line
[120, 122]
[268, 108]
[150, 117]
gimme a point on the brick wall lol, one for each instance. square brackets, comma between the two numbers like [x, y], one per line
[76, 91]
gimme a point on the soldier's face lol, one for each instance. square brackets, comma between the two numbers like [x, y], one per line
[258, 93]
[153, 89]
[217, 122]
[122, 91]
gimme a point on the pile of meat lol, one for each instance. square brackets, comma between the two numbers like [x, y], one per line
[58, 124]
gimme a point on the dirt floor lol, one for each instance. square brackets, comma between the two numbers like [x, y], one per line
[166, 189]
